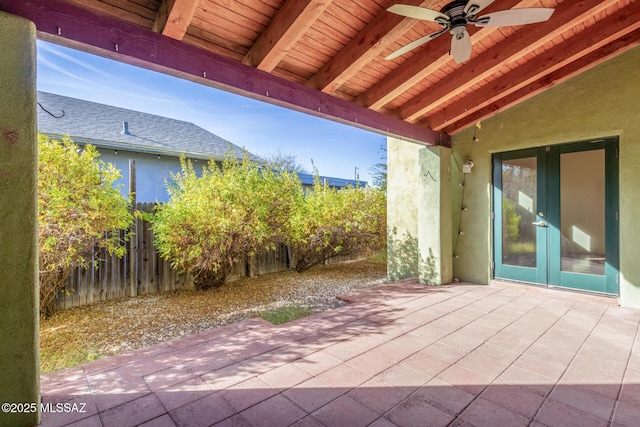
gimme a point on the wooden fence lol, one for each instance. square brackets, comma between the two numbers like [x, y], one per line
[143, 271]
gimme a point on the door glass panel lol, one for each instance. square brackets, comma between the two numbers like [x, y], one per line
[582, 209]
[519, 195]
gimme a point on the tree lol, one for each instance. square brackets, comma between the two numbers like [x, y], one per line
[282, 160]
[328, 222]
[225, 216]
[379, 170]
[79, 209]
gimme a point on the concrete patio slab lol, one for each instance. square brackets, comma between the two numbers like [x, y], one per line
[399, 354]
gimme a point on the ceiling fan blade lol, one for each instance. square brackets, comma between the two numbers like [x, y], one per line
[461, 47]
[418, 13]
[474, 6]
[514, 17]
[414, 44]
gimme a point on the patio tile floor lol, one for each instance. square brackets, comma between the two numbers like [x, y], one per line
[399, 354]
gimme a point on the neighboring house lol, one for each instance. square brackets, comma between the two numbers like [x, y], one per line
[154, 142]
[307, 180]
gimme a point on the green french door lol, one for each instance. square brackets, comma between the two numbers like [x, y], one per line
[556, 215]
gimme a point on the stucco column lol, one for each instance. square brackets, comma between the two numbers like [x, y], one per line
[19, 342]
[419, 212]
[402, 208]
[434, 216]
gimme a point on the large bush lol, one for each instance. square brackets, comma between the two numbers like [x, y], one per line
[328, 222]
[223, 217]
[79, 209]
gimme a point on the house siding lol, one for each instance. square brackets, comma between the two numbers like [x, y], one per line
[602, 102]
[152, 173]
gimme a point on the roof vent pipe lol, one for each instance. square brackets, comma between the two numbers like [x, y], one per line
[125, 128]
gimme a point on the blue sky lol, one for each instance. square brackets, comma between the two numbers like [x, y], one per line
[261, 128]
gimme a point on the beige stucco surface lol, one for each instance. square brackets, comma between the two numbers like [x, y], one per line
[19, 354]
[434, 216]
[602, 102]
[419, 212]
[403, 171]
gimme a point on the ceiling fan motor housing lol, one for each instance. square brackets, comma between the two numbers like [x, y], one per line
[458, 19]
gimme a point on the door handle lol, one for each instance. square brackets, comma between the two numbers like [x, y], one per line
[540, 223]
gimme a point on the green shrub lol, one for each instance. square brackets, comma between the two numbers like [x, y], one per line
[223, 217]
[228, 214]
[79, 209]
[329, 222]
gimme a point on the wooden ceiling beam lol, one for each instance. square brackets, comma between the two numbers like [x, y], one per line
[174, 17]
[289, 24]
[525, 40]
[424, 62]
[572, 69]
[65, 23]
[606, 31]
[383, 30]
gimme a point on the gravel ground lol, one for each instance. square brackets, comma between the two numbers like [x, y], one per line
[81, 334]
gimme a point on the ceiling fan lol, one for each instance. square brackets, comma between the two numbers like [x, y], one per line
[455, 16]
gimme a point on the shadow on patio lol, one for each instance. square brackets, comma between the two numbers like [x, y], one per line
[400, 354]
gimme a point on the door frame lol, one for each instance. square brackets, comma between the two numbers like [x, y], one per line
[548, 269]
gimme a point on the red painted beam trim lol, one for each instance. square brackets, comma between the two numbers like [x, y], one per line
[65, 23]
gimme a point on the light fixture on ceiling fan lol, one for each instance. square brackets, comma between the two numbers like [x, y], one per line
[455, 16]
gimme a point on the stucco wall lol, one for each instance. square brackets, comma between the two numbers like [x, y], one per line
[403, 172]
[434, 216]
[604, 101]
[419, 212]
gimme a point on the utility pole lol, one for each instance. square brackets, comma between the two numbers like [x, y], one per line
[133, 236]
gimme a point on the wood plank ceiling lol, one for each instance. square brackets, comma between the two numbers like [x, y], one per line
[338, 47]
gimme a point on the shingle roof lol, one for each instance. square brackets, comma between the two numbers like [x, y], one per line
[102, 126]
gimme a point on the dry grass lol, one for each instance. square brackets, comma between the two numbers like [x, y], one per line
[78, 335]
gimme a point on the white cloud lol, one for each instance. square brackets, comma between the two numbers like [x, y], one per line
[54, 50]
